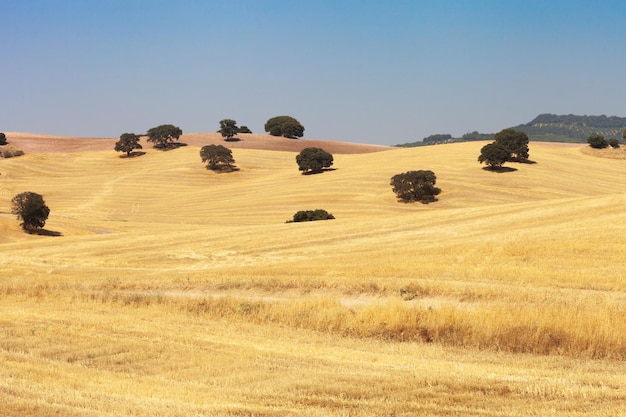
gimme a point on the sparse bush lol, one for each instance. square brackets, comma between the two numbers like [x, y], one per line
[613, 143]
[597, 141]
[313, 160]
[11, 152]
[311, 215]
[416, 186]
[30, 208]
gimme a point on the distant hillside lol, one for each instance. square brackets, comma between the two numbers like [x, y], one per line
[572, 128]
[545, 128]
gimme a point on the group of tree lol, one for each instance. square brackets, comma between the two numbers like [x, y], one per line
[509, 146]
[598, 141]
[285, 126]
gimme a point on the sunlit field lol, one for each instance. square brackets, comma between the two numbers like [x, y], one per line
[159, 288]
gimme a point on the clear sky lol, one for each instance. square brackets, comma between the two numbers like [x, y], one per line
[385, 72]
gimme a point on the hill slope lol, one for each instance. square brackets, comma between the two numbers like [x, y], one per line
[174, 290]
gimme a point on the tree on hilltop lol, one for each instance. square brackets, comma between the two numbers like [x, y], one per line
[515, 142]
[128, 142]
[313, 160]
[31, 209]
[228, 129]
[285, 126]
[163, 136]
[217, 158]
[415, 186]
[3, 139]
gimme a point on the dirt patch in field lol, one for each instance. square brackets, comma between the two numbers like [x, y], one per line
[38, 143]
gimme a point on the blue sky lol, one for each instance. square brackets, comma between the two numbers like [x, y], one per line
[383, 72]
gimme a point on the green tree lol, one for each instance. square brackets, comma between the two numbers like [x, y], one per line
[3, 139]
[228, 129]
[30, 208]
[313, 160]
[244, 129]
[163, 136]
[128, 142]
[494, 155]
[415, 186]
[613, 143]
[285, 126]
[217, 158]
[597, 141]
[312, 215]
[516, 142]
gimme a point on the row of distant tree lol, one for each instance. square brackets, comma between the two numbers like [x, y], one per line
[165, 136]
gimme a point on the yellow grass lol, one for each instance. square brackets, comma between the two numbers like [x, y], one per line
[177, 291]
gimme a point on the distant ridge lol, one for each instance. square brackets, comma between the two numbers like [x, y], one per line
[571, 128]
[545, 128]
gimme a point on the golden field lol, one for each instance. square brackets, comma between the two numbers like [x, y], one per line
[176, 291]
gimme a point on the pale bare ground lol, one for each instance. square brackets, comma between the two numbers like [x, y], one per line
[177, 291]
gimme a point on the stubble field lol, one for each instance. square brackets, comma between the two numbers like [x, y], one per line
[175, 291]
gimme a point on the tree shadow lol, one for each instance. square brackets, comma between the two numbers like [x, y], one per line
[170, 146]
[499, 170]
[232, 140]
[44, 232]
[133, 154]
[224, 169]
[320, 171]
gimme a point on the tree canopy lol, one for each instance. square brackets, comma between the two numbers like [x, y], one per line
[163, 136]
[31, 209]
[285, 126]
[128, 142]
[415, 186]
[494, 155]
[516, 143]
[3, 139]
[597, 141]
[217, 158]
[313, 160]
[228, 129]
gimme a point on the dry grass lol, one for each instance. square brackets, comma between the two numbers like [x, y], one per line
[177, 291]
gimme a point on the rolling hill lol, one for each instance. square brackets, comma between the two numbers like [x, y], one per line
[174, 290]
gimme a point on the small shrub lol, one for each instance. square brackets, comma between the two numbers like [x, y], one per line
[613, 143]
[311, 215]
[11, 152]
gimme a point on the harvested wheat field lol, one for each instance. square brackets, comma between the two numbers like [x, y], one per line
[160, 288]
